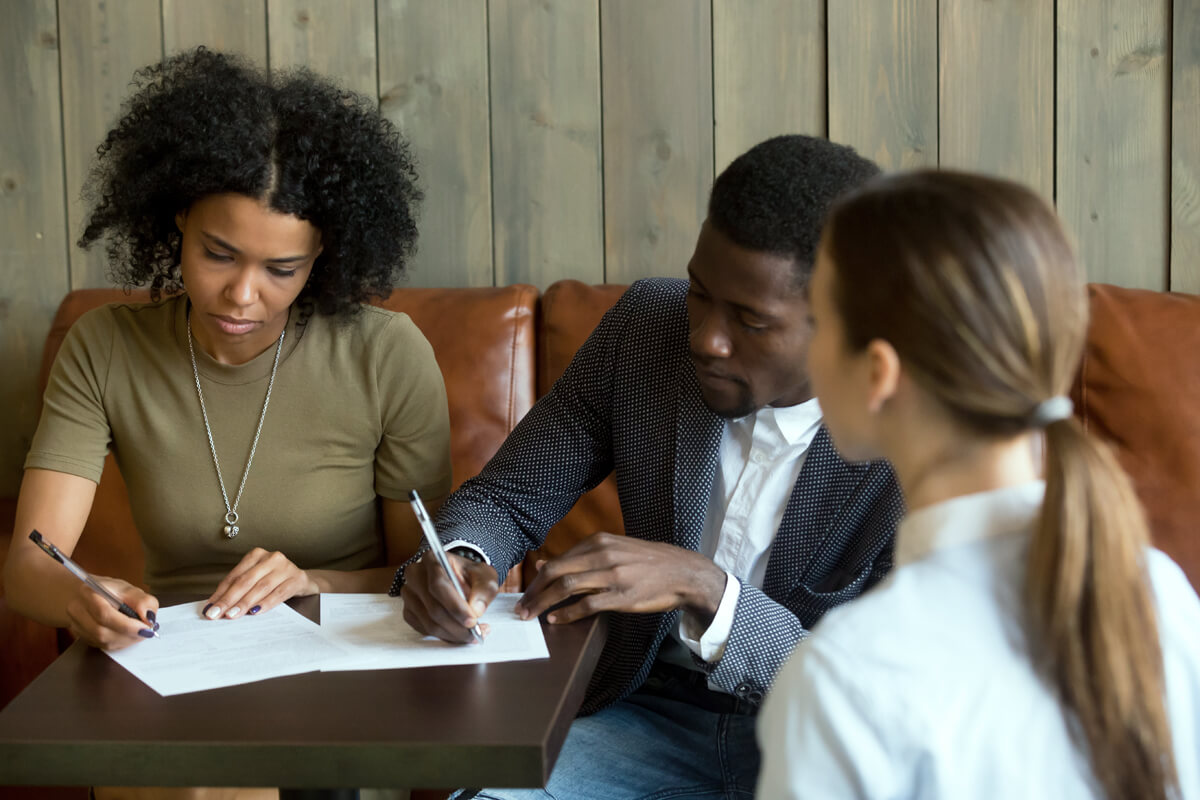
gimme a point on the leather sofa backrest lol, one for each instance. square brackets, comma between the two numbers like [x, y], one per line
[1138, 388]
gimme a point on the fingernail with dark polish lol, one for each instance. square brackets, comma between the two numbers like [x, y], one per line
[205, 611]
[255, 610]
[146, 633]
[150, 615]
[156, 626]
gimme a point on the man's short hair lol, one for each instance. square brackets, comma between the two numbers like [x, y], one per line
[774, 197]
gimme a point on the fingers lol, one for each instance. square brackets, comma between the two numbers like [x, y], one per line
[433, 607]
[93, 619]
[581, 570]
[259, 582]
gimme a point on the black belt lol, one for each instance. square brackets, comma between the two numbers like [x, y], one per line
[672, 680]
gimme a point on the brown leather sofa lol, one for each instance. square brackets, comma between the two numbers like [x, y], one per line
[500, 348]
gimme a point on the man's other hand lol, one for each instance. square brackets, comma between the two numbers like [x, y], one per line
[607, 572]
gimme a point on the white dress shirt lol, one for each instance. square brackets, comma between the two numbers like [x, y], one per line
[760, 459]
[924, 688]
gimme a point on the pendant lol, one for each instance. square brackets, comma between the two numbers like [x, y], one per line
[231, 529]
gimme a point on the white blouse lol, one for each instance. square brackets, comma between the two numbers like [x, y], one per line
[923, 687]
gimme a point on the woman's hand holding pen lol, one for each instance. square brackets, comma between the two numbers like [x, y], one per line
[260, 581]
[93, 619]
[433, 607]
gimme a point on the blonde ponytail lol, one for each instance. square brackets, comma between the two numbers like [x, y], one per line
[1092, 618]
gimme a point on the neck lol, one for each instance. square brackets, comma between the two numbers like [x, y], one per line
[945, 467]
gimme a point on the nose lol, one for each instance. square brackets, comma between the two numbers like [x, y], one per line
[242, 289]
[709, 337]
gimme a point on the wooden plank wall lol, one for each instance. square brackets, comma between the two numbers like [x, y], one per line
[578, 138]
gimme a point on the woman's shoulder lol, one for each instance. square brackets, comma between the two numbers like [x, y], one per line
[110, 321]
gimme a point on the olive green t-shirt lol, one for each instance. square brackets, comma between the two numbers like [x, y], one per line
[358, 409]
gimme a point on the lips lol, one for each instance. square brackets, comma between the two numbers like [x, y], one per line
[709, 375]
[233, 325]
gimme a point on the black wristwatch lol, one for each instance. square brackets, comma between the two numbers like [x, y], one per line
[469, 553]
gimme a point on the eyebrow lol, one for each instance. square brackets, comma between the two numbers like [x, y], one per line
[754, 312]
[227, 246]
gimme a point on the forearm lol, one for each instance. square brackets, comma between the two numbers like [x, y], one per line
[363, 581]
[36, 590]
[56, 504]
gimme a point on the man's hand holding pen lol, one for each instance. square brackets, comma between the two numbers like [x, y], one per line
[434, 608]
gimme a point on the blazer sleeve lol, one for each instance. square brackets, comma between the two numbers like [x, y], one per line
[765, 631]
[559, 450]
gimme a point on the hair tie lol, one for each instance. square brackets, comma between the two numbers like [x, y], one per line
[1048, 412]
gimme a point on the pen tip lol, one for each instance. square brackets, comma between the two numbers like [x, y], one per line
[412, 494]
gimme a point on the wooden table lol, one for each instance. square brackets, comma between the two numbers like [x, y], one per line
[86, 721]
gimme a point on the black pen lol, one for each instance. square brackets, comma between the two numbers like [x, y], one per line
[93, 584]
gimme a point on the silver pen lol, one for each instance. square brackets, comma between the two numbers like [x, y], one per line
[439, 552]
[93, 584]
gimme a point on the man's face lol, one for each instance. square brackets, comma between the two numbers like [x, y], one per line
[747, 324]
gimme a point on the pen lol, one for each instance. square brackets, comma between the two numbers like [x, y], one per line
[81, 573]
[435, 545]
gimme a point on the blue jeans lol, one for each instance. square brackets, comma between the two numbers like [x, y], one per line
[673, 738]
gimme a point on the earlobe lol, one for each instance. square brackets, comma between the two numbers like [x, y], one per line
[883, 365]
[180, 218]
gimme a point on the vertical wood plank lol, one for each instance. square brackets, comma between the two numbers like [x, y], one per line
[434, 85]
[996, 79]
[658, 136]
[33, 220]
[1185, 148]
[231, 26]
[883, 85]
[768, 72]
[545, 101]
[1112, 152]
[336, 39]
[103, 43]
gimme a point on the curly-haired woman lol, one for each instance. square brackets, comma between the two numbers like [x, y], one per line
[267, 423]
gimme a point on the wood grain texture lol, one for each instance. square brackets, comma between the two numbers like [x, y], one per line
[768, 72]
[103, 43]
[658, 137]
[34, 270]
[233, 26]
[1185, 148]
[883, 85]
[336, 39]
[545, 133]
[434, 87]
[998, 120]
[1112, 154]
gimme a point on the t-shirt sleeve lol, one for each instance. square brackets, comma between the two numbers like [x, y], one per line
[73, 434]
[414, 451]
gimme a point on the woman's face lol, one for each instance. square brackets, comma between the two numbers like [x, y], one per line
[243, 265]
[841, 378]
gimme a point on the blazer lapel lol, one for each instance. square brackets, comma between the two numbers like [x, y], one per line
[826, 482]
[697, 446]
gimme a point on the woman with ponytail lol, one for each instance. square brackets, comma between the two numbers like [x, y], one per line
[1029, 642]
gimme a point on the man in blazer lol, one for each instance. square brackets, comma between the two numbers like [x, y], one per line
[743, 525]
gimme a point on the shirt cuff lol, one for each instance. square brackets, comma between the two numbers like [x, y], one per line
[464, 543]
[710, 644]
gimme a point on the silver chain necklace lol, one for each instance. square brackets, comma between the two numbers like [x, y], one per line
[231, 528]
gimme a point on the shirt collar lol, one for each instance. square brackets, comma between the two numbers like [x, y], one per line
[967, 519]
[795, 423]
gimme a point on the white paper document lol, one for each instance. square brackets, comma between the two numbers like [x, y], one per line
[372, 626]
[194, 653]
